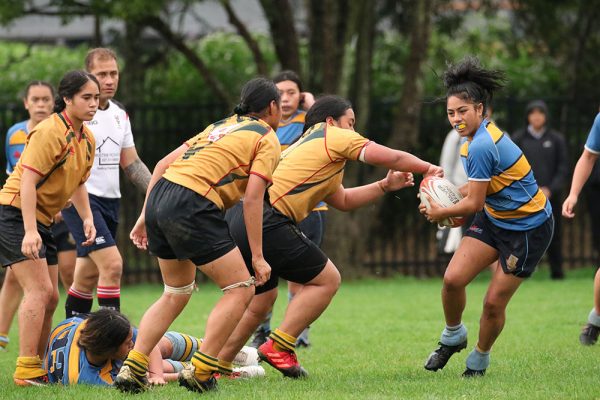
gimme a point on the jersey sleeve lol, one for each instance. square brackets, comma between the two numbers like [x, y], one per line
[593, 141]
[43, 150]
[480, 162]
[344, 143]
[127, 134]
[266, 156]
[9, 167]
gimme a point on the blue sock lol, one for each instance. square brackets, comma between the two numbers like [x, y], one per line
[594, 318]
[478, 361]
[454, 335]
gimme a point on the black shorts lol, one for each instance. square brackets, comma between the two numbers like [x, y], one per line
[12, 232]
[519, 251]
[288, 251]
[313, 226]
[106, 220]
[62, 237]
[183, 225]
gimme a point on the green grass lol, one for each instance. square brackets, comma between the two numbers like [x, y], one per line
[373, 340]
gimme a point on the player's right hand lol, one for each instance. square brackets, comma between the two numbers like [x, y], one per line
[434, 170]
[569, 206]
[32, 243]
[262, 270]
[138, 234]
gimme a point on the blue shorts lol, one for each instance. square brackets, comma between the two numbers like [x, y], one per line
[106, 220]
[519, 251]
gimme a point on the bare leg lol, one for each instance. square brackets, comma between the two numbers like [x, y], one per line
[37, 306]
[258, 308]
[66, 267]
[471, 257]
[11, 295]
[50, 308]
[310, 302]
[597, 291]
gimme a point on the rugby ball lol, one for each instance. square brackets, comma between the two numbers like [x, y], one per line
[246, 357]
[444, 193]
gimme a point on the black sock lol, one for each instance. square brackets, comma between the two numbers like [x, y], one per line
[78, 303]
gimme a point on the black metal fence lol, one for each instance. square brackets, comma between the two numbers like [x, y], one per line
[402, 241]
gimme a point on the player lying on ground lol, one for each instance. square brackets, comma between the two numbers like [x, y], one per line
[91, 350]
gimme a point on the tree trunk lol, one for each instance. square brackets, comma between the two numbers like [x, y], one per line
[283, 33]
[131, 86]
[259, 60]
[327, 20]
[405, 132]
[360, 92]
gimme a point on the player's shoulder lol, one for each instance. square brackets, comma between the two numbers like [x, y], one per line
[19, 126]
[117, 106]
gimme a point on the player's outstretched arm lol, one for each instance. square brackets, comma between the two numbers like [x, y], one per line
[349, 199]
[155, 368]
[582, 172]
[376, 154]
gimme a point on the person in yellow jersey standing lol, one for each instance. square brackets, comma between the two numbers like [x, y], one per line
[183, 225]
[54, 165]
[311, 171]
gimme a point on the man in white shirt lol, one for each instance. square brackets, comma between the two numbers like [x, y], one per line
[101, 264]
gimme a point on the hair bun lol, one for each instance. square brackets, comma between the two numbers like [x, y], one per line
[241, 109]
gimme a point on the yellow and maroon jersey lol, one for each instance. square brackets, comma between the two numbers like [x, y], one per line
[61, 156]
[220, 159]
[312, 169]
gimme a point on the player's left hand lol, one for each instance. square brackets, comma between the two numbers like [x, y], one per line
[89, 230]
[396, 180]
[433, 213]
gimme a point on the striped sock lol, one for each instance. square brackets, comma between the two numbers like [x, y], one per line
[29, 368]
[109, 297]
[78, 302]
[283, 341]
[184, 346]
[4, 341]
[205, 365]
[137, 362]
[225, 367]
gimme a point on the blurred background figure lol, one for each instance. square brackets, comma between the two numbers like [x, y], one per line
[546, 150]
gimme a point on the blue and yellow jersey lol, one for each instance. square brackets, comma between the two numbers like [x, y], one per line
[221, 158]
[592, 143]
[67, 363]
[513, 200]
[288, 133]
[312, 169]
[16, 137]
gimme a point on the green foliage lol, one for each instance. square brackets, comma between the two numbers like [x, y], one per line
[20, 65]
[372, 341]
[226, 55]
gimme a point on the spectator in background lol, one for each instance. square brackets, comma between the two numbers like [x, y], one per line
[546, 150]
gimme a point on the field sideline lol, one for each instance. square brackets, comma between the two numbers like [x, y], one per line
[373, 340]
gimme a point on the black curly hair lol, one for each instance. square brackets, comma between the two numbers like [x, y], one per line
[469, 81]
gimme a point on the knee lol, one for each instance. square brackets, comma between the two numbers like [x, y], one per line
[243, 294]
[492, 308]
[112, 271]
[453, 282]
[52, 301]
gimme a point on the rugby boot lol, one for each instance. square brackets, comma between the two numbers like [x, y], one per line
[260, 337]
[129, 382]
[472, 373]
[39, 381]
[439, 358]
[589, 334]
[187, 378]
[285, 362]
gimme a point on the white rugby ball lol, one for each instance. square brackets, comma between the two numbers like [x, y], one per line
[246, 357]
[444, 193]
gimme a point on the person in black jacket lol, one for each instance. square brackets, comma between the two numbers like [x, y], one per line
[546, 150]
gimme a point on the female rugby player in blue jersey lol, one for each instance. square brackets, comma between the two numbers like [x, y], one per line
[513, 223]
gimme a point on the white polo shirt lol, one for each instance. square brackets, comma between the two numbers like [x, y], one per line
[112, 131]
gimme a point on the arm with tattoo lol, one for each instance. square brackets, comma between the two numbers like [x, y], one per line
[138, 173]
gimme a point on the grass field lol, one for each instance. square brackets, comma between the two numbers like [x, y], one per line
[373, 340]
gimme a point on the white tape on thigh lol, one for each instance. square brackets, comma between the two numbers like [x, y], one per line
[247, 283]
[188, 289]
